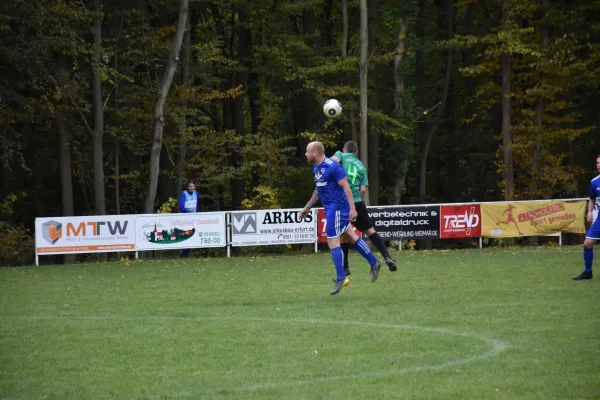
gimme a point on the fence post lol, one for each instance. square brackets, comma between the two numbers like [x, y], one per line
[228, 233]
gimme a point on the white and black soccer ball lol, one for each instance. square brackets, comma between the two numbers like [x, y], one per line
[332, 108]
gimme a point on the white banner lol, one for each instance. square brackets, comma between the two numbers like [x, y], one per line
[180, 231]
[93, 234]
[265, 227]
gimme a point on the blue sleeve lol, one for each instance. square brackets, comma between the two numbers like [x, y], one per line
[593, 194]
[181, 202]
[338, 172]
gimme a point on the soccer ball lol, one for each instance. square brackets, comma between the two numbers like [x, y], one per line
[332, 108]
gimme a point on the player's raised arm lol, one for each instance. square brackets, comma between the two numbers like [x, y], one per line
[337, 157]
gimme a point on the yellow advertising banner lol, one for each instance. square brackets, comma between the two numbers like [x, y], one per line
[515, 219]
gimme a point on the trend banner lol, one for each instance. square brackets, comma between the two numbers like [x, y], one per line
[91, 234]
[266, 227]
[180, 231]
[515, 219]
[462, 221]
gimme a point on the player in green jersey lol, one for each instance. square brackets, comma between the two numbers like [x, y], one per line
[358, 181]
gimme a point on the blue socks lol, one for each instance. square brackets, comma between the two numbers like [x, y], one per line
[337, 256]
[588, 259]
[364, 251]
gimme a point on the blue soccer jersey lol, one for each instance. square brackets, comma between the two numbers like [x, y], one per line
[595, 195]
[594, 232]
[327, 175]
[334, 200]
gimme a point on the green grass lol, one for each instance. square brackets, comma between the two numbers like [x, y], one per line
[475, 324]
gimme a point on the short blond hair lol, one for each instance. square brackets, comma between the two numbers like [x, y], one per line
[318, 147]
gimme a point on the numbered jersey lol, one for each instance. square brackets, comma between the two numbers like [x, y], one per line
[356, 172]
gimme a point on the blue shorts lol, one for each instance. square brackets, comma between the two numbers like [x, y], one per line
[338, 221]
[593, 233]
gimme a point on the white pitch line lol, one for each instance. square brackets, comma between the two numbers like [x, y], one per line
[497, 346]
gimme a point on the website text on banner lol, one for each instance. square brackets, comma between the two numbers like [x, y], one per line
[180, 231]
[461, 221]
[268, 227]
[514, 219]
[92, 234]
[406, 222]
[322, 226]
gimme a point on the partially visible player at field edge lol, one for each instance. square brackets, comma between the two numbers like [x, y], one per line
[336, 197]
[359, 182]
[593, 235]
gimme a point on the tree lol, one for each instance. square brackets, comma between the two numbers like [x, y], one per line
[159, 119]
[364, 87]
[507, 142]
[98, 107]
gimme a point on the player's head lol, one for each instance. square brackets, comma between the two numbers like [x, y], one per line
[351, 147]
[598, 162]
[190, 186]
[314, 151]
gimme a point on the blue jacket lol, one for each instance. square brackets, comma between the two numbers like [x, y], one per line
[187, 197]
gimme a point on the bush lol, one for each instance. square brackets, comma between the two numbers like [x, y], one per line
[17, 245]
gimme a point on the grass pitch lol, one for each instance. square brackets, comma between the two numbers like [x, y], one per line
[472, 324]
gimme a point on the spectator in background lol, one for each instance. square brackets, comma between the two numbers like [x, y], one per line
[189, 202]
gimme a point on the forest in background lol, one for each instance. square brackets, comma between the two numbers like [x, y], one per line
[110, 106]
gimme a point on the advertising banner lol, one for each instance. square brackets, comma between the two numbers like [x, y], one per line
[266, 227]
[322, 226]
[93, 234]
[406, 222]
[180, 231]
[462, 221]
[514, 219]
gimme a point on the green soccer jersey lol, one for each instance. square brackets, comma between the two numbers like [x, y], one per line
[357, 174]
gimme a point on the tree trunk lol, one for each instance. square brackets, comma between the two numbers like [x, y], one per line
[399, 106]
[238, 182]
[100, 201]
[374, 134]
[539, 112]
[364, 54]
[506, 117]
[344, 53]
[426, 139]
[159, 120]
[185, 73]
[98, 110]
[66, 183]
[344, 44]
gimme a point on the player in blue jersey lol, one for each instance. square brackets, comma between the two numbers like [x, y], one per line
[336, 197]
[359, 182]
[593, 235]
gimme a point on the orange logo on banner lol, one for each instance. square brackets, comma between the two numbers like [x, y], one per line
[532, 218]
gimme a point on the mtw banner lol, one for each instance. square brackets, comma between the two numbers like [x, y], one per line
[94, 234]
[514, 219]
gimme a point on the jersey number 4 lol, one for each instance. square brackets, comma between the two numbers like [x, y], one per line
[352, 173]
